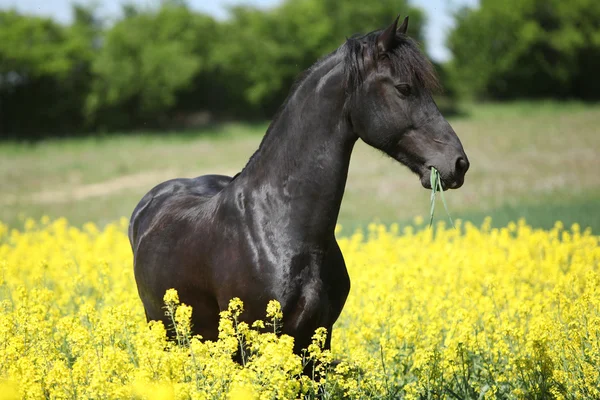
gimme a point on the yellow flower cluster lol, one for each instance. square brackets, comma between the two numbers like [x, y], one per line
[474, 312]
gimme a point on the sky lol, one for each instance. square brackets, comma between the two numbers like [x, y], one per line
[438, 13]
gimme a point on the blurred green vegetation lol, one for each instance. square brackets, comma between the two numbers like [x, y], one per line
[168, 66]
[515, 49]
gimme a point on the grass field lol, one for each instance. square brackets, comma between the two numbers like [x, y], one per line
[536, 160]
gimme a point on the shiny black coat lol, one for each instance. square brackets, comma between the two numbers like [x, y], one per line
[269, 232]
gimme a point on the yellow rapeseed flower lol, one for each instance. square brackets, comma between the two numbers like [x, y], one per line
[171, 297]
[475, 312]
[274, 310]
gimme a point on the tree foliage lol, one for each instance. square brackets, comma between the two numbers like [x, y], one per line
[155, 64]
[37, 57]
[528, 48]
[146, 58]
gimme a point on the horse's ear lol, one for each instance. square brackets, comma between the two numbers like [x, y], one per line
[402, 28]
[387, 39]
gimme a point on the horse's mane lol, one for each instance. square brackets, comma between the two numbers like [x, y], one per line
[407, 61]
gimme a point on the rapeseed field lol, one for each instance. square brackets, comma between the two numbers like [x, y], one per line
[467, 313]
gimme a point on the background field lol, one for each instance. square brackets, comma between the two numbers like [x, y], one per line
[536, 160]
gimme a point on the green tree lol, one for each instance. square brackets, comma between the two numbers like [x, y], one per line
[266, 50]
[528, 48]
[38, 60]
[146, 59]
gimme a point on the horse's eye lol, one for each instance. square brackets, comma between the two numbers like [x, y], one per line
[404, 88]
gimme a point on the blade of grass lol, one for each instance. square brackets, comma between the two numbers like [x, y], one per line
[436, 185]
[444, 201]
[433, 180]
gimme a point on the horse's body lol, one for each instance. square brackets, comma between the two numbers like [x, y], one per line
[269, 232]
[224, 242]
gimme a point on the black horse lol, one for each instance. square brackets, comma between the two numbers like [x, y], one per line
[268, 233]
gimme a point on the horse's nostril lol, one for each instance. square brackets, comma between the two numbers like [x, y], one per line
[462, 165]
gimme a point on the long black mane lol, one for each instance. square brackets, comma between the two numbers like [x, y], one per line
[408, 61]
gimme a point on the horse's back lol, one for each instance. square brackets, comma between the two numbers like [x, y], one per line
[199, 189]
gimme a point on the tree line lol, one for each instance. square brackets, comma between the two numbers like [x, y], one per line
[527, 49]
[166, 66]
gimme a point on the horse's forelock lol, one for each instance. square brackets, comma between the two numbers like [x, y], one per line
[407, 60]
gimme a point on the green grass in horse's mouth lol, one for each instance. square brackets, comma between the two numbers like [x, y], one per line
[436, 185]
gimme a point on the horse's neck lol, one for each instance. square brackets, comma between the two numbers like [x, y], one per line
[299, 173]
